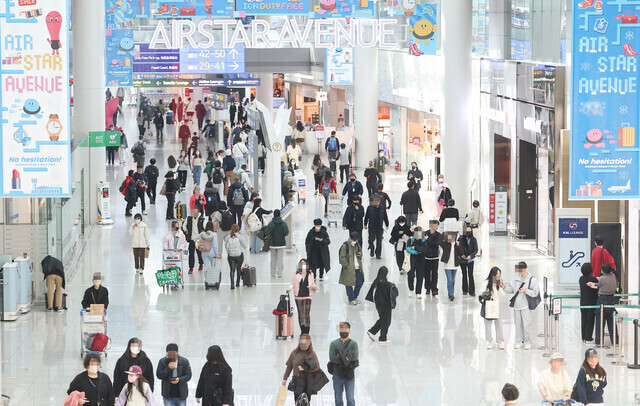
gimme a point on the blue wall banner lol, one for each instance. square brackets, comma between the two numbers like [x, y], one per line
[605, 153]
[122, 12]
[119, 52]
[423, 30]
[345, 9]
[273, 7]
[35, 144]
[193, 8]
[339, 64]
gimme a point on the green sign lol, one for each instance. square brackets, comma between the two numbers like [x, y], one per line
[104, 138]
[169, 276]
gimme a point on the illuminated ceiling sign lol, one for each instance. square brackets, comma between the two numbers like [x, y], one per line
[330, 33]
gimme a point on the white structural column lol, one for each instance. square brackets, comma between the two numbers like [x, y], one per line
[88, 89]
[456, 90]
[365, 109]
[264, 92]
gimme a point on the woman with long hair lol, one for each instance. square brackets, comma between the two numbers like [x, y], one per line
[137, 391]
[493, 291]
[318, 167]
[592, 379]
[294, 153]
[380, 294]
[235, 243]
[216, 379]
[303, 285]
[330, 184]
[133, 355]
[197, 164]
[303, 362]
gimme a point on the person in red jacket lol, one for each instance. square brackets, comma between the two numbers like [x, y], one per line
[327, 186]
[184, 133]
[201, 112]
[600, 256]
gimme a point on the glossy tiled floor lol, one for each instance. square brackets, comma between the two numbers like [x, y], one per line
[437, 354]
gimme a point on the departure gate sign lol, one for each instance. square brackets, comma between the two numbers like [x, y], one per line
[605, 150]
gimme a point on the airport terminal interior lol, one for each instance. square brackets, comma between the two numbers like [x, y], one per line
[319, 202]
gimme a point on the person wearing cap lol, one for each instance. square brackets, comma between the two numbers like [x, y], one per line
[133, 356]
[152, 173]
[522, 285]
[171, 188]
[317, 245]
[591, 380]
[554, 383]
[95, 385]
[137, 391]
[175, 372]
[142, 183]
[96, 294]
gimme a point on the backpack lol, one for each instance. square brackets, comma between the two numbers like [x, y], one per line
[393, 294]
[204, 245]
[234, 249]
[321, 171]
[333, 143]
[138, 149]
[227, 221]
[326, 189]
[237, 198]
[213, 200]
[288, 178]
[130, 194]
[123, 186]
[254, 223]
[216, 178]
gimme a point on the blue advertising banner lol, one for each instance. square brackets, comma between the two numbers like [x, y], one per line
[121, 13]
[339, 64]
[119, 52]
[345, 9]
[35, 121]
[273, 7]
[193, 8]
[604, 146]
[423, 28]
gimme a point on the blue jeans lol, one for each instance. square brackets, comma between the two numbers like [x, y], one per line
[352, 293]
[256, 245]
[239, 162]
[174, 402]
[339, 385]
[197, 171]
[451, 280]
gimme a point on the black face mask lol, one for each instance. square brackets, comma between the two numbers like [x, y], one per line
[469, 234]
[352, 180]
[344, 334]
[414, 167]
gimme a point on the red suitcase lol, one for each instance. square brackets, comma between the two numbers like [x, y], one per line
[284, 322]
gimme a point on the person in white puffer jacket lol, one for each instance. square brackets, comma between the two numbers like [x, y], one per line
[139, 233]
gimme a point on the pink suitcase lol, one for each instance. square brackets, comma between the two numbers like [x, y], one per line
[284, 323]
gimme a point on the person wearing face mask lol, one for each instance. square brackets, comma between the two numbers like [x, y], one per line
[493, 292]
[343, 360]
[137, 391]
[172, 186]
[96, 294]
[417, 247]
[380, 163]
[385, 200]
[215, 385]
[175, 372]
[353, 218]
[451, 254]
[183, 168]
[96, 385]
[228, 165]
[133, 356]
[525, 285]
[442, 193]
[197, 163]
[411, 203]
[174, 240]
[308, 378]
[351, 275]
[469, 248]
[352, 189]
[383, 294]
[415, 174]
[373, 178]
[317, 245]
[140, 242]
[374, 220]
[303, 285]
[591, 380]
[432, 258]
[400, 234]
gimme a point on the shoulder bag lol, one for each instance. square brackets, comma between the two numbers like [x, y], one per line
[533, 301]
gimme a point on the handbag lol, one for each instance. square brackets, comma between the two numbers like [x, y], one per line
[627, 18]
[146, 253]
[406, 264]
[512, 301]
[187, 9]
[491, 310]
[163, 191]
[533, 301]
[293, 383]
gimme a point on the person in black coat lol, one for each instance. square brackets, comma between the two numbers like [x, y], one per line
[411, 203]
[417, 248]
[588, 297]
[415, 174]
[153, 174]
[96, 385]
[374, 220]
[400, 234]
[53, 271]
[175, 372]
[432, 258]
[450, 211]
[234, 208]
[215, 386]
[172, 186]
[353, 217]
[96, 294]
[352, 188]
[317, 244]
[469, 249]
[133, 355]
[381, 294]
[373, 177]
[384, 197]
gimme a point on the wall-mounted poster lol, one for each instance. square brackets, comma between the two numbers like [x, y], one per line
[123, 12]
[120, 49]
[339, 64]
[345, 9]
[273, 7]
[423, 30]
[35, 146]
[605, 148]
[193, 8]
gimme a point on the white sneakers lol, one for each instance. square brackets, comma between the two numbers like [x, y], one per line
[527, 346]
[418, 297]
[144, 212]
[371, 336]
[410, 294]
[490, 346]
[519, 346]
[139, 271]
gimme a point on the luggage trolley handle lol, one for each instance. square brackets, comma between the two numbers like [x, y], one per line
[289, 307]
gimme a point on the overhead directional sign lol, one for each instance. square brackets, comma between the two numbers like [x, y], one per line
[189, 60]
[221, 82]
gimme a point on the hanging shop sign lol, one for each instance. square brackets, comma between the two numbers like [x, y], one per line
[605, 152]
[345, 9]
[573, 242]
[35, 148]
[273, 7]
[188, 60]
[193, 8]
[423, 30]
[339, 63]
[196, 82]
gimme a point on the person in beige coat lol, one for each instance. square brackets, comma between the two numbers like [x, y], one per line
[139, 233]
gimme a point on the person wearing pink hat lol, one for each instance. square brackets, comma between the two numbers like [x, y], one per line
[137, 391]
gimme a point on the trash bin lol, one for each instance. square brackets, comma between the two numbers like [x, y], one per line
[25, 276]
[9, 291]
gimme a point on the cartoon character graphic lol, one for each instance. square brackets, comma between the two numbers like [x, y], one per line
[54, 23]
[208, 7]
[594, 138]
[328, 5]
[423, 27]
[31, 107]
[408, 6]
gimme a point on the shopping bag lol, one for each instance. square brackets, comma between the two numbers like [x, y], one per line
[146, 252]
[406, 264]
[628, 17]
[282, 396]
[626, 135]
[491, 309]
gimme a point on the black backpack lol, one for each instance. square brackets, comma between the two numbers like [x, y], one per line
[216, 178]
[138, 149]
[213, 200]
[227, 221]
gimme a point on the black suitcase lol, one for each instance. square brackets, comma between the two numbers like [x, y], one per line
[249, 276]
[332, 165]
[64, 300]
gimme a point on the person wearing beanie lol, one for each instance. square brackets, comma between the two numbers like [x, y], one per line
[96, 294]
[588, 297]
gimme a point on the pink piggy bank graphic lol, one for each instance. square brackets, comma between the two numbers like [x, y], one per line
[594, 137]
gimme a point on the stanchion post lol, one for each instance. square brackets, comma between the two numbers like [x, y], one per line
[613, 339]
[546, 306]
[620, 344]
[635, 346]
[601, 332]
[557, 317]
[546, 323]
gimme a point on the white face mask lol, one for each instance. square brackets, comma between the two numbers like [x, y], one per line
[318, 228]
[352, 242]
[135, 350]
[93, 369]
[137, 221]
[401, 224]
[97, 283]
[381, 154]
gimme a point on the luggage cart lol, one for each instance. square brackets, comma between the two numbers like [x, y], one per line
[171, 258]
[170, 278]
[334, 209]
[91, 324]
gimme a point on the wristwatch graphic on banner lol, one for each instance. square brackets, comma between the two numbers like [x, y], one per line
[54, 127]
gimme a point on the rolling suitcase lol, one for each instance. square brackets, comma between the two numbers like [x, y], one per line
[181, 211]
[248, 275]
[284, 322]
[332, 166]
[64, 300]
[169, 117]
[213, 276]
